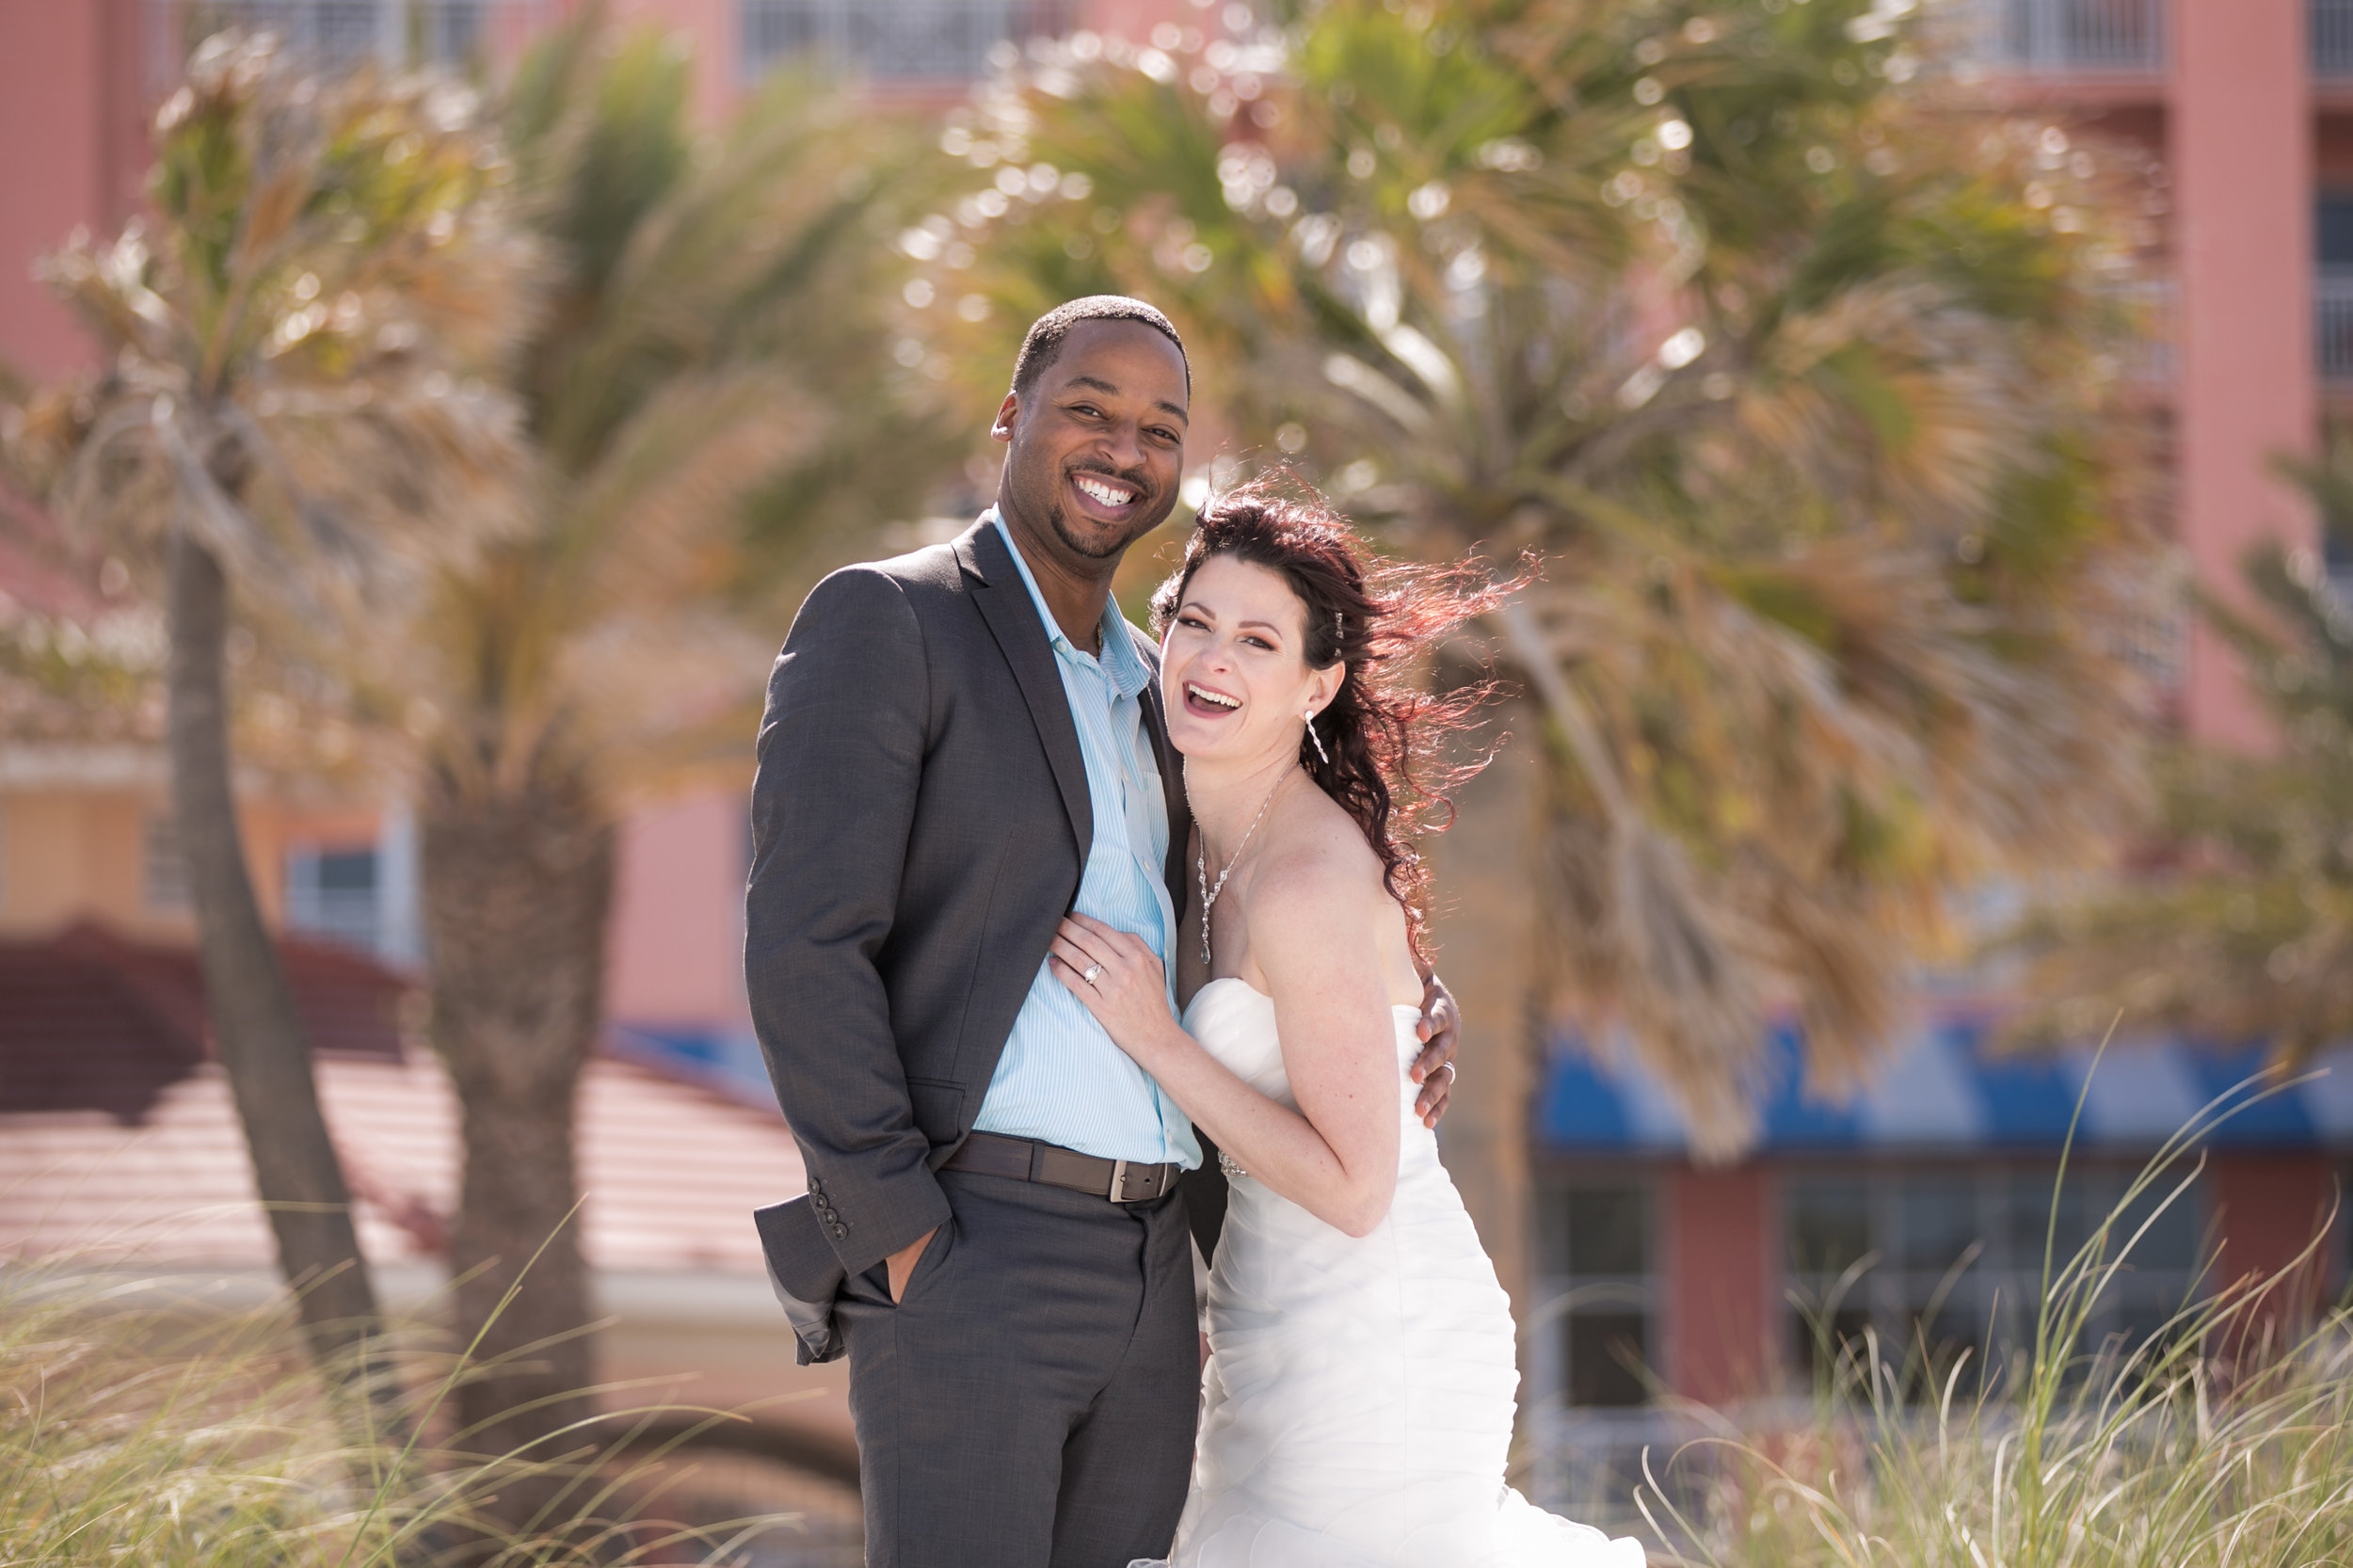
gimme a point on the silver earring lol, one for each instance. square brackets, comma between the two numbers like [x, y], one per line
[1326, 755]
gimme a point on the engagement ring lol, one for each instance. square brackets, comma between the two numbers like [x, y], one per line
[1089, 973]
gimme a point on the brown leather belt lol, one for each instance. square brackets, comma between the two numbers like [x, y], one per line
[1120, 1180]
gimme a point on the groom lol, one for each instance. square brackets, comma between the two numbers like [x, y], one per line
[960, 746]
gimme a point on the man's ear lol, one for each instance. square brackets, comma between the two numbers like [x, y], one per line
[1007, 411]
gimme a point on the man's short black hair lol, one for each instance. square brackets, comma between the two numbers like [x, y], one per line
[1042, 347]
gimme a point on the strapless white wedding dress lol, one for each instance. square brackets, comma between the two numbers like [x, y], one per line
[1359, 1392]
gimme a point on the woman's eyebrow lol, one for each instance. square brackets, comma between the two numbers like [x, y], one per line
[1200, 609]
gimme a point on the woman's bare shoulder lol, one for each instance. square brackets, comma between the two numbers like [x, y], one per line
[1321, 887]
[1319, 853]
[1318, 879]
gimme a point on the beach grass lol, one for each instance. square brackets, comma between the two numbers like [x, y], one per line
[2224, 1439]
[140, 1429]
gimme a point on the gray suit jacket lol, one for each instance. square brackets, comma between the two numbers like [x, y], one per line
[918, 823]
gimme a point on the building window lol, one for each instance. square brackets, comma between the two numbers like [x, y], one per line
[1939, 1261]
[895, 40]
[162, 869]
[2063, 37]
[2329, 33]
[1595, 1261]
[333, 894]
[2332, 287]
[2336, 1262]
[336, 32]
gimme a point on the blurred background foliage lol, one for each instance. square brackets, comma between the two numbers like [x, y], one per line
[1810, 394]
[2240, 926]
[297, 421]
[709, 402]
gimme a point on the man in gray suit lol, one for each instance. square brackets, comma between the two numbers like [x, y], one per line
[961, 746]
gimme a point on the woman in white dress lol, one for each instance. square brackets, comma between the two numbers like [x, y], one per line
[1359, 1391]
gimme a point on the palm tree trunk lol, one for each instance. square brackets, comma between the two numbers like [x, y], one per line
[256, 1029]
[1489, 955]
[517, 891]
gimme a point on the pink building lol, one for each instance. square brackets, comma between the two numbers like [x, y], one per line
[2247, 104]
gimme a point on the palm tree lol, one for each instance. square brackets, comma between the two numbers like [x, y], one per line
[1805, 386]
[2239, 924]
[290, 413]
[712, 400]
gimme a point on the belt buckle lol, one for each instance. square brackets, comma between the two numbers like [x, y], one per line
[1119, 1184]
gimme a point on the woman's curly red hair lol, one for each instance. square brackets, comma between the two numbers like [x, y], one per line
[1383, 733]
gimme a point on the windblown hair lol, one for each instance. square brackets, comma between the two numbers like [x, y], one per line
[1385, 735]
[1042, 346]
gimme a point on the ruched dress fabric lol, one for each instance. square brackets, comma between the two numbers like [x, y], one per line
[1359, 1392]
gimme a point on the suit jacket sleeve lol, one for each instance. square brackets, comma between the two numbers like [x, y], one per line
[840, 760]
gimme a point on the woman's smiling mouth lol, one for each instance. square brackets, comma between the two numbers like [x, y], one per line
[1209, 703]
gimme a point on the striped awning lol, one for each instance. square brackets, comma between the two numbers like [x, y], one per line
[1946, 1090]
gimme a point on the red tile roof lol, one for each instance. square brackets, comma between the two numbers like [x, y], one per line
[91, 1022]
[118, 1140]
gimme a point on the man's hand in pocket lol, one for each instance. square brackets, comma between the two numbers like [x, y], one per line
[900, 1264]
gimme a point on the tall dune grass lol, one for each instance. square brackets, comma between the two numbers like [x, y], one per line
[139, 1435]
[2221, 1441]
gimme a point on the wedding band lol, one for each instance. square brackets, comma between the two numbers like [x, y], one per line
[1452, 1078]
[1089, 973]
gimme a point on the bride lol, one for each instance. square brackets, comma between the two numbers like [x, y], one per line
[1360, 1390]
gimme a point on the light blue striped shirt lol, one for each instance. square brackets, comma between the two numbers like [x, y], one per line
[1060, 1080]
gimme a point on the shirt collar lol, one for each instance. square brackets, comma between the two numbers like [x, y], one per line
[1119, 661]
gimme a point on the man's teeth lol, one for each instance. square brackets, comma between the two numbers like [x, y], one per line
[1110, 495]
[1216, 698]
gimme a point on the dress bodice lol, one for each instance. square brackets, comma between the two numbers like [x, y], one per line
[1234, 1021]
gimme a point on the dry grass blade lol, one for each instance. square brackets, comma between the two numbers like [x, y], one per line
[140, 1426]
[2210, 1443]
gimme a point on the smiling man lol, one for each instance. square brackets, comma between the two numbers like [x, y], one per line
[962, 745]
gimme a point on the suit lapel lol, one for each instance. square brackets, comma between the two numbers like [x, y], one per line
[1012, 619]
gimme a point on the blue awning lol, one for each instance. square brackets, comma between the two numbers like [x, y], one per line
[1945, 1090]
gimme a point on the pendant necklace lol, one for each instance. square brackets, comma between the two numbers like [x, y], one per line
[1201, 865]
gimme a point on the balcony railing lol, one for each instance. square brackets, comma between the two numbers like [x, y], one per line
[2332, 323]
[896, 40]
[2062, 37]
[2329, 34]
[336, 33]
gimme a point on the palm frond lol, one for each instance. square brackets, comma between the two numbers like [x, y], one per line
[302, 352]
[1809, 403]
[711, 389]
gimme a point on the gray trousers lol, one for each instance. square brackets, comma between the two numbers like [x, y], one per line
[1031, 1401]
